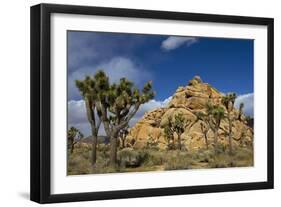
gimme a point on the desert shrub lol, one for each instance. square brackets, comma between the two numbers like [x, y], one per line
[78, 165]
[128, 157]
[153, 157]
[176, 160]
[103, 151]
[244, 157]
[241, 157]
[170, 146]
[203, 155]
[104, 168]
[221, 148]
[219, 162]
[243, 153]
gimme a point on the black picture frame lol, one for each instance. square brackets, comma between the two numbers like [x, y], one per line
[41, 96]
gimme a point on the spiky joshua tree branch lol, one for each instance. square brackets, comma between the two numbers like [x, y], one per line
[116, 104]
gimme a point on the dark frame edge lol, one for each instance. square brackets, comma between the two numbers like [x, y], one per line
[172, 191]
[40, 104]
[270, 102]
[40, 119]
[35, 25]
[155, 14]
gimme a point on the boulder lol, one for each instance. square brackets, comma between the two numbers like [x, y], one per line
[188, 100]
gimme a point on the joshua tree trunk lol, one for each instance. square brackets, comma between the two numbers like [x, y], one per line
[72, 148]
[94, 149]
[179, 141]
[205, 130]
[206, 140]
[230, 136]
[113, 151]
[216, 141]
[92, 121]
[123, 143]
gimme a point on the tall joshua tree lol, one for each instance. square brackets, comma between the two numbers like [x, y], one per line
[179, 126]
[205, 129]
[228, 102]
[213, 116]
[116, 104]
[73, 136]
[87, 88]
[204, 126]
[169, 134]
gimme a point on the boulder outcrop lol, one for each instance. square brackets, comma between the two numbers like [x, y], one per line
[188, 101]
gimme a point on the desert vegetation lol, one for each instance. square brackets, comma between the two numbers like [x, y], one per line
[200, 128]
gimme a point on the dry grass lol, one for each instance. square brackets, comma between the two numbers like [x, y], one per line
[130, 160]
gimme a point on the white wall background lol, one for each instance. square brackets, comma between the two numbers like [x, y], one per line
[14, 104]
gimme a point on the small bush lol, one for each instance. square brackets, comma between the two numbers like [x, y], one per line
[130, 158]
[153, 158]
[78, 165]
[203, 156]
[177, 160]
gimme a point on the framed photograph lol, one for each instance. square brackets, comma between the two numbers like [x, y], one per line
[132, 103]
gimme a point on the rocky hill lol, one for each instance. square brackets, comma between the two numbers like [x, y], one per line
[188, 101]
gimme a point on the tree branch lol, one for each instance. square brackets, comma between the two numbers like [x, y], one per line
[129, 117]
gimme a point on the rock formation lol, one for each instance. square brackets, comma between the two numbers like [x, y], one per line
[188, 101]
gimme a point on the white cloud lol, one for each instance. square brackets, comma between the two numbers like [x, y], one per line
[77, 117]
[248, 100]
[172, 42]
[149, 106]
[115, 68]
[77, 114]
[120, 67]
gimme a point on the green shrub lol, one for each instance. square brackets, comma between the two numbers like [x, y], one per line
[153, 157]
[203, 156]
[78, 165]
[128, 157]
[177, 160]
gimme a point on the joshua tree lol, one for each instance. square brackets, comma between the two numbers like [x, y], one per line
[73, 136]
[241, 106]
[117, 104]
[204, 126]
[205, 129]
[228, 102]
[169, 134]
[177, 126]
[152, 143]
[122, 137]
[212, 118]
[87, 88]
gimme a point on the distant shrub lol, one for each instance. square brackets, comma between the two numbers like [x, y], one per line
[78, 165]
[242, 157]
[203, 155]
[177, 160]
[130, 158]
[153, 158]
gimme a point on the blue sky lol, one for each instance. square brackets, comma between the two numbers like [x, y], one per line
[169, 61]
